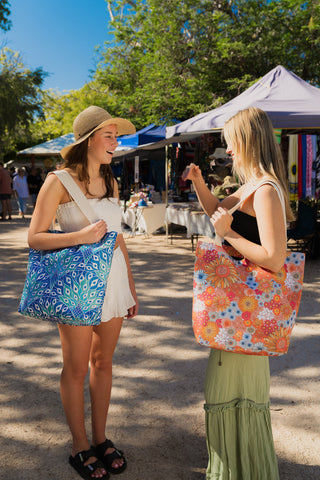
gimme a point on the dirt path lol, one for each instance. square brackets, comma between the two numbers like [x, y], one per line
[156, 414]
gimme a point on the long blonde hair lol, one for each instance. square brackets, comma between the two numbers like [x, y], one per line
[250, 133]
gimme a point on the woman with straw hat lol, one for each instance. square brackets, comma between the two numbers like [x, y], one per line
[87, 163]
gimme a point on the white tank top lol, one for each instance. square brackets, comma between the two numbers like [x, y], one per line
[71, 218]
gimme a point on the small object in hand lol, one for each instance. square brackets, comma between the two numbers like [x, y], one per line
[185, 173]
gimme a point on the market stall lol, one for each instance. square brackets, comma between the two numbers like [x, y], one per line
[293, 106]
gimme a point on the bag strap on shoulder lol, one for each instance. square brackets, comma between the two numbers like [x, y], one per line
[76, 193]
[251, 190]
[248, 193]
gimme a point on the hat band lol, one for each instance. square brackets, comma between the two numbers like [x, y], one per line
[80, 135]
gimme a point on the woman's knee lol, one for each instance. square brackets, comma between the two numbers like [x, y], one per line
[75, 373]
[101, 363]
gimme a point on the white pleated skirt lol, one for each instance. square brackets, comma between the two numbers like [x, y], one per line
[118, 297]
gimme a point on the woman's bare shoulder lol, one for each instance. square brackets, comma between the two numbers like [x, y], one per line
[52, 180]
[266, 192]
[52, 186]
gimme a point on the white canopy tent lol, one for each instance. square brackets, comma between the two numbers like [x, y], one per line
[50, 148]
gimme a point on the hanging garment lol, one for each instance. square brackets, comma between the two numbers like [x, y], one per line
[300, 179]
[293, 167]
[309, 161]
[314, 165]
[304, 164]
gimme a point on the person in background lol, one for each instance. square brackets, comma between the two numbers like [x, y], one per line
[43, 174]
[21, 190]
[228, 186]
[238, 423]
[5, 193]
[34, 183]
[87, 163]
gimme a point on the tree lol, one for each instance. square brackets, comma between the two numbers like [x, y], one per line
[5, 23]
[60, 110]
[170, 60]
[20, 98]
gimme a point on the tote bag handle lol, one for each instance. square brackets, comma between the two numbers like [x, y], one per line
[77, 194]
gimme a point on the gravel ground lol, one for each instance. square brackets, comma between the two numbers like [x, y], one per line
[156, 414]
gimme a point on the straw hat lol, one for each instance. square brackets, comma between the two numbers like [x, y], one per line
[219, 153]
[220, 158]
[93, 118]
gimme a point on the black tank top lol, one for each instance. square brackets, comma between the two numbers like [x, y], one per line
[246, 226]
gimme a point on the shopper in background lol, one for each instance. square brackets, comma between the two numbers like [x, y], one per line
[5, 192]
[21, 190]
[34, 183]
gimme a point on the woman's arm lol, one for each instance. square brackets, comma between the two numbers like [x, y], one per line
[207, 200]
[50, 196]
[271, 254]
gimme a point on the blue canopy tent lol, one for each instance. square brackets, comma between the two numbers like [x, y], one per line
[144, 137]
[290, 102]
[131, 147]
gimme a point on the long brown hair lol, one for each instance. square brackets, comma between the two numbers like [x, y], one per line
[250, 133]
[77, 159]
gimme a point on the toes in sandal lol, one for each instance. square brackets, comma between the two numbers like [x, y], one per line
[108, 458]
[86, 471]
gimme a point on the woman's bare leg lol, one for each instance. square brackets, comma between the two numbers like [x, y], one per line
[9, 208]
[104, 341]
[4, 209]
[76, 345]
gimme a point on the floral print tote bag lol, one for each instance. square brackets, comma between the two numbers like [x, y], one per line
[241, 307]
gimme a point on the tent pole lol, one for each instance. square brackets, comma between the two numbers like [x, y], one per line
[166, 173]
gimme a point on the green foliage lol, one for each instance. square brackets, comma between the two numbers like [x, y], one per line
[5, 23]
[20, 98]
[170, 60]
[60, 110]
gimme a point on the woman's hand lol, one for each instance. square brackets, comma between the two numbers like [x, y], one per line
[93, 233]
[191, 172]
[133, 311]
[221, 220]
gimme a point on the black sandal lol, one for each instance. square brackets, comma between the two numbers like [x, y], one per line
[108, 458]
[86, 471]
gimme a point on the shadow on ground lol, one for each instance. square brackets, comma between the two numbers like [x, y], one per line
[156, 414]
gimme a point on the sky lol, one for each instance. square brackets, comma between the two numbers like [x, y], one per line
[60, 36]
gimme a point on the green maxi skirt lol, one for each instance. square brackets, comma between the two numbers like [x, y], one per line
[238, 423]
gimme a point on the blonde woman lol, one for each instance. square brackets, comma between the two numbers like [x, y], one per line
[238, 424]
[87, 167]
